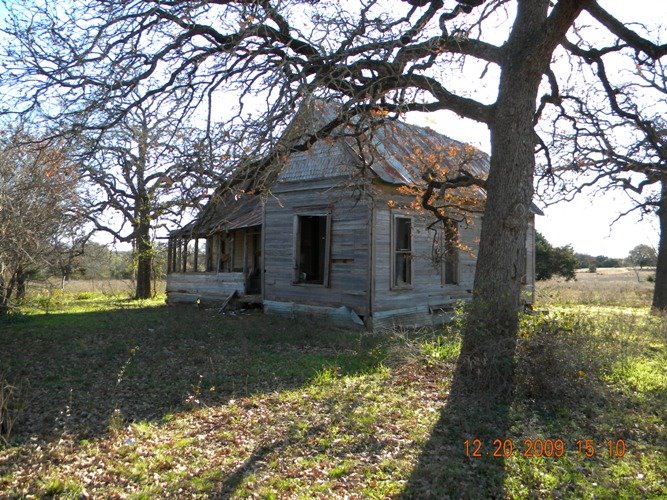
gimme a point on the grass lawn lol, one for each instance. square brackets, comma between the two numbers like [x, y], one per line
[122, 399]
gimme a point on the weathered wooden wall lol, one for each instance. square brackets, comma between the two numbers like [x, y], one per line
[418, 304]
[207, 287]
[349, 255]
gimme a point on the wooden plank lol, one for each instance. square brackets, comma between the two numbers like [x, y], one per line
[262, 239]
[228, 300]
[327, 252]
[185, 255]
[245, 255]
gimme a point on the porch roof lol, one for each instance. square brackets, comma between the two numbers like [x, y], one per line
[229, 213]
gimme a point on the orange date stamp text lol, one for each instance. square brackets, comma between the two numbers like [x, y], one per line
[537, 448]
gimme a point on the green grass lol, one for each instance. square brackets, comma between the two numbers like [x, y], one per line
[144, 400]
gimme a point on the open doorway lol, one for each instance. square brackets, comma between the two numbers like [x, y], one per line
[312, 249]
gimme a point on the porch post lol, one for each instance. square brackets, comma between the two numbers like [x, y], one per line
[245, 258]
[169, 256]
[185, 254]
[196, 259]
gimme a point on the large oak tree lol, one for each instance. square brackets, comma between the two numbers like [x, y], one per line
[142, 173]
[368, 55]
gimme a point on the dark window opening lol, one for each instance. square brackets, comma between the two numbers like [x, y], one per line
[451, 257]
[311, 249]
[402, 252]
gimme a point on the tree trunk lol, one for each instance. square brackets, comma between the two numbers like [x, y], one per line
[487, 353]
[3, 297]
[20, 284]
[660, 290]
[144, 249]
[6, 290]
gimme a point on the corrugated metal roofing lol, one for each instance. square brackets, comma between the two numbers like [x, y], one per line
[231, 211]
[322, 161]
[401, 143]
[392, 146]
[250, 219]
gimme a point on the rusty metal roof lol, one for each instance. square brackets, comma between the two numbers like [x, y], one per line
[248, 219]
[392, 148]
[399, 144]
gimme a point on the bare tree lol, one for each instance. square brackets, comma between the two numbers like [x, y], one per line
[142, 172]
[613, 137]
[38, 199]
[642, 255]
[372, 55]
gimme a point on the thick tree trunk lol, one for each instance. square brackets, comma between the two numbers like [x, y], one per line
[660, 290]
[144, 249]
[487, 355]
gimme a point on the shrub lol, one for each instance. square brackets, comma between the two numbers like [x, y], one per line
[85, 296]
[556, 358]
[49, 300]
[650, 278]
[429, 347]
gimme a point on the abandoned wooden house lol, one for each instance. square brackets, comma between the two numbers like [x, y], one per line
[330, 238]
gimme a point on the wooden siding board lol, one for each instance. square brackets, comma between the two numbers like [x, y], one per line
[426, 289]
[348, 281]
[211, 287]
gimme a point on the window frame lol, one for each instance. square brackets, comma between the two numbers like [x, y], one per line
[393, 251]
[296, 249]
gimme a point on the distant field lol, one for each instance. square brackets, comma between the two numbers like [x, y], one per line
[49, 295]
[608, 286]
[113, 398]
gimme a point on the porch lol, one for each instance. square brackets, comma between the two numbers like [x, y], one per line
[209, 263]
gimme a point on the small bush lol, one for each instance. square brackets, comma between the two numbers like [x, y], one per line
[557, 358]
[326, 376]
[424, 348]
[85, 296]
[441, 349]
[116, 421]
[650, 278]
[50, 300]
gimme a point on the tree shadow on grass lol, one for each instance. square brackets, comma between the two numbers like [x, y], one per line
[561, 390]
[338, 413]
[82, 374]
[458, 460]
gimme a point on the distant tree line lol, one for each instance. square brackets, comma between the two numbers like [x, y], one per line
[101, 262]
[553, 261]
[585, 261]
[562, 261]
